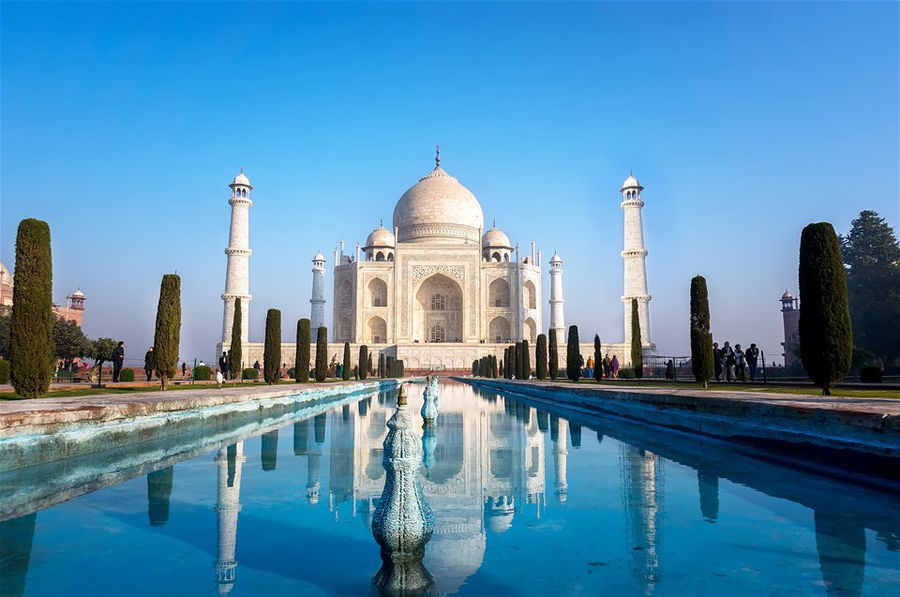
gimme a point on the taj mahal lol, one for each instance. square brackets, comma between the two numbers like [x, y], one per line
[437, 289]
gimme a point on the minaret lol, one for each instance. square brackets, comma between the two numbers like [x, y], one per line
[228, 461]
[635, 256]
[790, 313]
[237, 276]
[317, 302]
[557, 318]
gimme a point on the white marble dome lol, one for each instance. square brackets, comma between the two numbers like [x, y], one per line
[631, 182]
[495, 238]
[438, 208]
[241, 179]
[380, 237]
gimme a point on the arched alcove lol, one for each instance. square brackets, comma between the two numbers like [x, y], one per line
[438, 310]
[498, 293]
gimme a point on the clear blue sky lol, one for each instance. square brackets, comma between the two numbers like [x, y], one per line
[123, 123]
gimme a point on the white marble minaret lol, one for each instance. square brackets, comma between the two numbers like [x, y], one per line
[635, 255]
[317, 302]
[229, 462]
[557, 318]
[237, 276]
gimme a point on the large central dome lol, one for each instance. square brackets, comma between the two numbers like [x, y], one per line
[438, 208]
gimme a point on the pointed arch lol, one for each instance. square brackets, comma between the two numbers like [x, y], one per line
[377, 293]
[498, 293]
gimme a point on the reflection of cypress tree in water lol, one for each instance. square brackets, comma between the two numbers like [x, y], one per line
[575, 434]
[527, 415]
[301, 437]
[599, 437]
[709, 495]
[543, 419]
[363, 407]
[841, 543]
[229, 463]
[269, 453]
[319, 424]
[345, 413]
[159, 490]
[642, 492]
[16, 538]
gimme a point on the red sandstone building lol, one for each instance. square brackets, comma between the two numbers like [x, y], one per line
[72, 311]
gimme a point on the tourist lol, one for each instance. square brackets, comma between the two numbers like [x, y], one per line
[256, 366]
[223, 364]
[606, 366]
[614, 367]
[728, 361]
[717, 361]
[118, 360]
[740, 363]
[670, 369]
[183, 369]
[590, 368]
[149, 363]
[752, 355]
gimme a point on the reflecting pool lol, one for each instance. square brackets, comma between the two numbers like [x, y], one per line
[527, 500]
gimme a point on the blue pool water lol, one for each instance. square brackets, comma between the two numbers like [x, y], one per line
[526, 502]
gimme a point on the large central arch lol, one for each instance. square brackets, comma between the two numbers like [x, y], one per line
[438, 311]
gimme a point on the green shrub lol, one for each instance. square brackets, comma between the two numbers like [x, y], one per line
[626, 373]
[870, 374]
[250, 373]
[203, 373]
[826, 343]
[126, 375]
[31, 324]
[4, 371]
[272, 347]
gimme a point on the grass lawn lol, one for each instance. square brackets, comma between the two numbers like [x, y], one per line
[748, 387]
[112, 389]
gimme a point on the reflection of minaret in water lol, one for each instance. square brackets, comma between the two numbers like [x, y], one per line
[313, 461]
[159, 490]
[16, 538]
[642, 492]
[841, 544]
[229, 461]
[560, 454]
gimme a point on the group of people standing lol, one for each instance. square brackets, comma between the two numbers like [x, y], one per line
[734, 363]
[609, 368]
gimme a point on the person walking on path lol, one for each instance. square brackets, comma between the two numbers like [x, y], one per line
[728, 361]
[752, 355]
[590, 368]
[256, 366]
[183, 369]
[223, 364]
[717, 361]
[740, 363]
[606, 366]
[149, 363]
[118, 359]
[614, 367]
[670, 369]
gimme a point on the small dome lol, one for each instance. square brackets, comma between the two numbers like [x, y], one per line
[787, 296]
[495, 238]
[241, 179]
[631, 183]
[556, 258]
[318, 257]
[78, 293]
[380, 237]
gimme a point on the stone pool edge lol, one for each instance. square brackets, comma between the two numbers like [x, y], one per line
[738, 418]
[53, 428]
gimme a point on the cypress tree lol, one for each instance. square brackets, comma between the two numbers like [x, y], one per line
[168, 328]
[301, 363]
[826, 342]
[637, 357]
[554, 355]
[540, 355]
[475, 368]
[701, 340]
[389, 362]
[345, 369]
[235, 351]
[364, 362]
[321, 353]
[573, 368]
[31, 323]
[495, 370]
[502, 371]
[368, 363]
[514, 358]
[598, 358]
[526, 360]
[381, 364]
[272, 348]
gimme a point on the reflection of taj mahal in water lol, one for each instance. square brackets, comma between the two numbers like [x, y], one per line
[485, 469]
